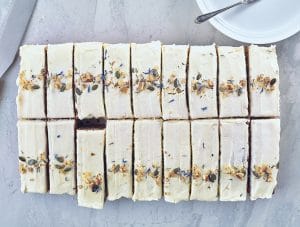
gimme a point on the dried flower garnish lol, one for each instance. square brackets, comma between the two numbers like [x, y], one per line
[264, 83]
[86, 82]
[119, 168]
[196, 172]
[263, 171]
[32, 164]
[149, 80]
[239, 172]
[183, 175]
[32, 83]
[200, 86]
[141, 172]
[174, 86]
[117, 78]
[60, 81]
[92, 182]
[229, 87]
[209, 175]
[63, 164]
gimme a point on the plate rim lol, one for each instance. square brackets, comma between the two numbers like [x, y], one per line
[221, 26]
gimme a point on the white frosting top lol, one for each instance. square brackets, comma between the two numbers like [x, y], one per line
[234, 159]
[88, 81]
[146, 79]
[265, 136]
[177, 160]
[202, 78]
[32, 156]
[90, 168]
[148, 160]
[31, 80]
[118, 81]
[174, 64]
[60, 81]
[61, 156]
[205, 164]
[119, 158]
[233, 96]
[264, 81]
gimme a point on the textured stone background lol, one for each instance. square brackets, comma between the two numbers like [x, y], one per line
[170, 21]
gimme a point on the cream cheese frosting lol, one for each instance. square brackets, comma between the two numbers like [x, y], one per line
[90, 168]
[88, 80]
[119, 150]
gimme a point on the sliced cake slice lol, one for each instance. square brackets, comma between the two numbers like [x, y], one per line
[31, 82]
[60, 81]
[90, 168]
[88, 82]
[146, 79]
[177, 160]
[202, 82]
[147, 160]
[205, 163]
[264, 81]
[32, 144]
[265, 136]
[117, 81]
[174, 64]
[62, 156]
[119, 134]
[233, 97]
[234, 159]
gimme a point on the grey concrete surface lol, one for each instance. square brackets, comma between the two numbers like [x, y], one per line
[170, 21]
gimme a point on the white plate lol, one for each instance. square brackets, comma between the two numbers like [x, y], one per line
[265, 21]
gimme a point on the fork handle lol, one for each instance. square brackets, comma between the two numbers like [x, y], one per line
[207, 16]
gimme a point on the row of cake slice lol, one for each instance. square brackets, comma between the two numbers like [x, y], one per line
[149, 159]
[117, 81]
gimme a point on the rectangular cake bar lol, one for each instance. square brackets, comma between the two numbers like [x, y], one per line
[202, 82]
[88, 80]
[117, 81]
[60, 81]
[264, 81]
[265, 136]
[233, 98]
[119, 149]
[234, 150]
[90, 168]
[174, 78]
[146, 79]
[205, 163]
[61, 134]
[177, 160]
[147, 160]
[31, 82]
[32, 144]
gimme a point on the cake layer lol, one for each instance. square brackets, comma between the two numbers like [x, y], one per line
[32, 144]
[147, 160]
[90, 168]
[146, 79]
[119, 158]
[60, 81]
[174, 64]
[177, 160]
[233, 98]
[117, 81]
[88, 81]
[205, 163]
[265, 136]
[202, 82]
[31, 82]
[61, 156]
[234, 150]
[264, 81]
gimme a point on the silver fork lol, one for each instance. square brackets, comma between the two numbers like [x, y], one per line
[207, 16]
